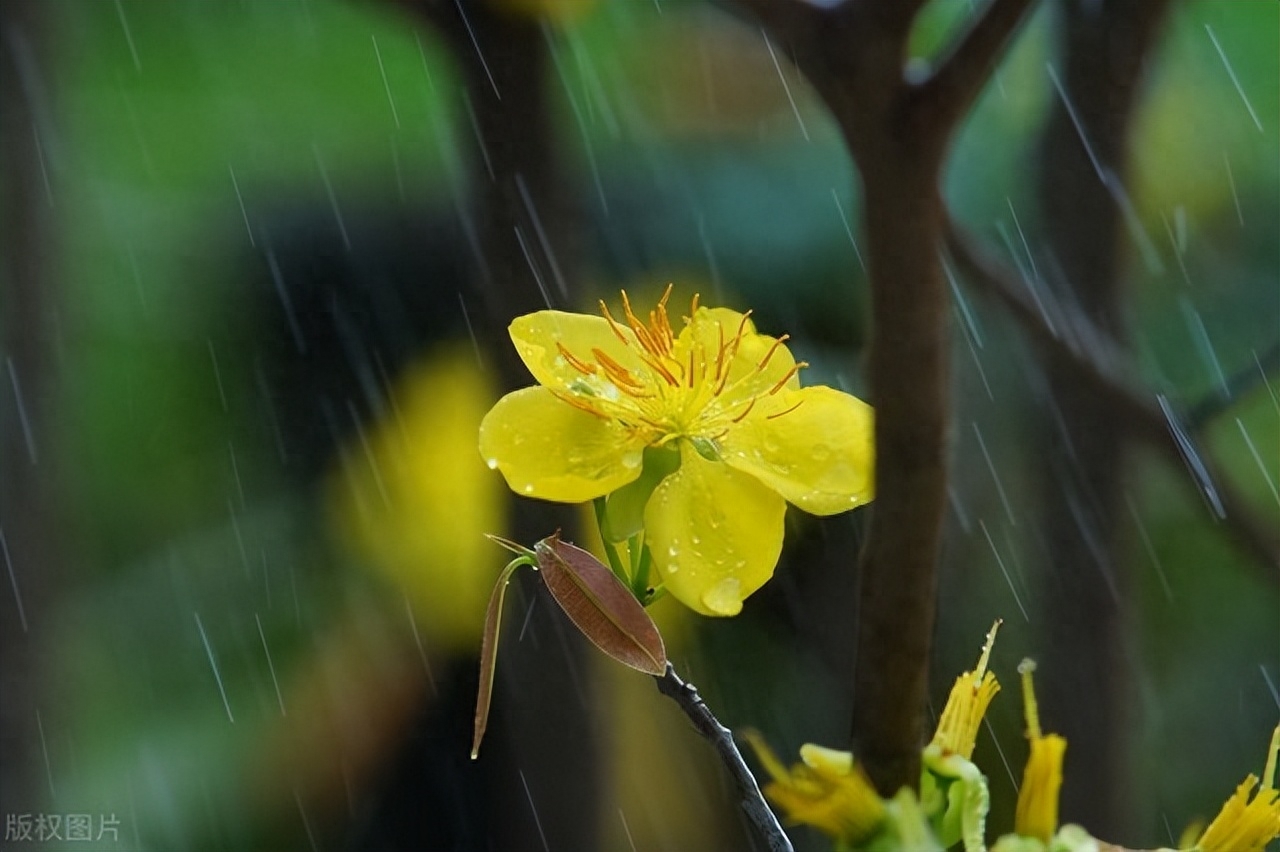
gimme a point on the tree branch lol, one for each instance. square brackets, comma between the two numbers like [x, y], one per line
[946, 95]
[757, 810]
[852, 54]
[1137, 410]
[1240, 383]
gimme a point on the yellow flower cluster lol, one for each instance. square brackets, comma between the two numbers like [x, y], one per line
[830, 792]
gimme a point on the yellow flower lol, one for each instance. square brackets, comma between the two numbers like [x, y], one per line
[826, 791]
[715, 418]
[405, 502]
[970, 696]
[1037, 812]
[1243, 825]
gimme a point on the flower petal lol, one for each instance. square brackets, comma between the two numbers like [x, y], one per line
[820, 455]
[536, 337]
[715, 534]
[548, 449]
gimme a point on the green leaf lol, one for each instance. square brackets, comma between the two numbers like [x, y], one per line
[489, 645]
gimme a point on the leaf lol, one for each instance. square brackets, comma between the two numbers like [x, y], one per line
[489, 648]
[601, 606]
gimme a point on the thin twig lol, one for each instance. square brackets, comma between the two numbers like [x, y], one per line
[1239, 384]
[1138, 412]
[753, 803]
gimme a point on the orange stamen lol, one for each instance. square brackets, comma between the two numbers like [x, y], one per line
[620, 374]
[719, 351]
[750, 405]
[781, 413]
[579, 404]
[581, 366]
[613, 324]
[772, 349]
[733, 347]
[783, 382]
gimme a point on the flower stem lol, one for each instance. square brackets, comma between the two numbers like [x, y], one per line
[753, 803]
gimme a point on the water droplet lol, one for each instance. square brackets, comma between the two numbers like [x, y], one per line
[493, 464]
[672, 567]
[725, 597]
[697, 539]
[528, 489]
[632, 461]
[673, 550]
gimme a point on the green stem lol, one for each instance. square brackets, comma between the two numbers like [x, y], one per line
[615, 564]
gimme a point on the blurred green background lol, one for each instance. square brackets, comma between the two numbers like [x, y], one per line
[260, 597]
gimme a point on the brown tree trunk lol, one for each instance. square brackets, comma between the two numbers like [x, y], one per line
[1085, 593]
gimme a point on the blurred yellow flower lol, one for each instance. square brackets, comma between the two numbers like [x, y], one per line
[730, 438]
[409, 502]
[826, 791]
[970, 696]
[1243, 825]
[1037, 812]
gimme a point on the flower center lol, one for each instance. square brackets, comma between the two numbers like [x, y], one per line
[684, 385]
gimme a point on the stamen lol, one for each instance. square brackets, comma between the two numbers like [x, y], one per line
[579, 403]
[613, 324]
[658, 367]
[659, 335]
[733, 349]
[1030, 709]
[693, 305]
[719, 351]
[772, 349]
[800, 365]
[620, 374]
[782, 413]
[692, 353]
[751, 403]
[665, 320]
[581, 366]
[985, 659]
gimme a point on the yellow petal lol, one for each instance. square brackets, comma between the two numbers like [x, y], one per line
[820, 455]
[967, 704]
[828, 762]
[715, 534]
[827, 791]
[548, 449]
[1037, 812]
[1243, 825]
[536, 337]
